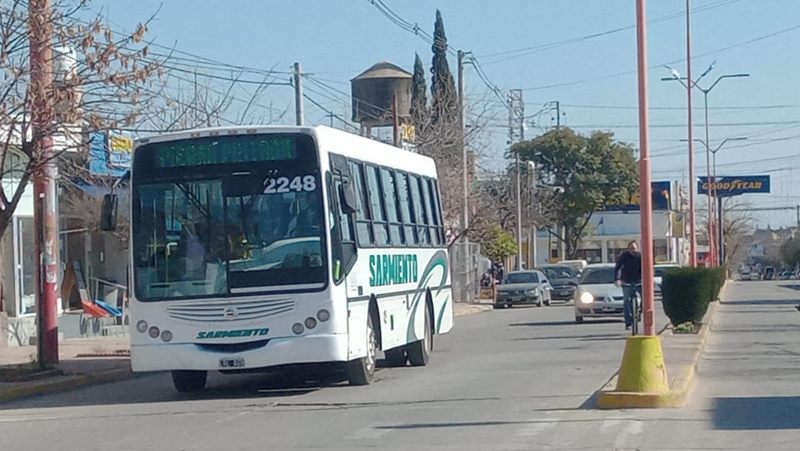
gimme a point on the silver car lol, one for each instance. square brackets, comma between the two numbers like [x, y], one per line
[523, 287]
[597, 295]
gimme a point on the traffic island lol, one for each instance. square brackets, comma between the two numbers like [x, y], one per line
[642, 381]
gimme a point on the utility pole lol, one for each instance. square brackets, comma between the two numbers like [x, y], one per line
[516, 132]
[468, 285]
[558, 115]
[645, 189]
[690, 127]
[44, 182]
[395, 123]
[298, 94]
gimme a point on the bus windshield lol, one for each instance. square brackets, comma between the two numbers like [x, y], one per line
[229, 218]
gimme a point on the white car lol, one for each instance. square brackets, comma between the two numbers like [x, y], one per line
[597, 295]
[658, 274]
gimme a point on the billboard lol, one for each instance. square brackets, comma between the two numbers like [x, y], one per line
[735, 186]
[662, 193]
[109, 153]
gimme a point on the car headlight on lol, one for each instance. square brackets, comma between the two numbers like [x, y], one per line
[586, 297]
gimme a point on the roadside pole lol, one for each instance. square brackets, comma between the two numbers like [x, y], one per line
[645, 190]
[298, 94]
[45, 218]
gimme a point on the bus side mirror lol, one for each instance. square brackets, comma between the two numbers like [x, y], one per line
[108, 213]
[347, 196]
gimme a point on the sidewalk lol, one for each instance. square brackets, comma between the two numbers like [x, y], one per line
[83, 361]
[463, 308]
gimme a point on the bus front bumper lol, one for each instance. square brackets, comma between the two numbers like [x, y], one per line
[277, 351]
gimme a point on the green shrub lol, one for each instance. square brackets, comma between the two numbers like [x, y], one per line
[687, 292]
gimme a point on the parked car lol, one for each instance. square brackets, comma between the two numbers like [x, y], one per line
[658, 274]
[576, 265]
[769, 273]
[598, 296]
[563, 279]
[523, 287]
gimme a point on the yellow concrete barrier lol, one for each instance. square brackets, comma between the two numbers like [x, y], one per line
[643, 369]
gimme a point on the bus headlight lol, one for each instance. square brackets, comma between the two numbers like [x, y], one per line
[323, 315]
[310, 323]
[297, 328]
[586, 297]
[153, 332]
[166, 336]
[141, 326]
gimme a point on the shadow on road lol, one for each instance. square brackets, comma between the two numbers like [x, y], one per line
[596, 337]
[759, 413]
[566, 323]
[764, 302]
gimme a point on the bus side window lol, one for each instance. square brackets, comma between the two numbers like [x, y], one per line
[419, 212]
[363, 226]
[406, 209]
[343, 249]
[437, 203]
[380, 228]
[392, 207]
[430, 207]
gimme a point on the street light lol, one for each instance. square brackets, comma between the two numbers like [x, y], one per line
[712, 181]
[695, 84]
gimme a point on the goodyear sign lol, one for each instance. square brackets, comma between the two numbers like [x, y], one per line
[735, 186]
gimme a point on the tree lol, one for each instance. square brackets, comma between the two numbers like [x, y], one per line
[101, 80]
[443, 88]
[790, 252]
[496, 243]
[419, 99]
[594, 171]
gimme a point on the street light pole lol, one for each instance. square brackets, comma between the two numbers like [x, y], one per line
[689, 83]
[720, 249]
[690, 131]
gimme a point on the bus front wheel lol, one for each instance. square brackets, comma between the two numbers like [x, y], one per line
[188, 381]
[419, 352]
[360, 371]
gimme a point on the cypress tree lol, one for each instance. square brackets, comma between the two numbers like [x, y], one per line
[419, 99]
[443, 89]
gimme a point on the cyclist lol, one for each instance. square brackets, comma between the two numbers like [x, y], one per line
[628, 273]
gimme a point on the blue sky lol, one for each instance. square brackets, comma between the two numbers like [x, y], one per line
[593, 78]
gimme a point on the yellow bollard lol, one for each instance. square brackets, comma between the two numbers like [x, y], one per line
[643, 369]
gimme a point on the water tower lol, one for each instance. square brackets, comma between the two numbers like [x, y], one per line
[382, 98]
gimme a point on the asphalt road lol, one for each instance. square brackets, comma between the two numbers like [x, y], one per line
[507, 379]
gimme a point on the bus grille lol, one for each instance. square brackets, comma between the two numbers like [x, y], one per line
[214, 312]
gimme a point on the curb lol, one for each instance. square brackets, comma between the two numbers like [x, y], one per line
[67, 383]
[470, 309]
[681, 387]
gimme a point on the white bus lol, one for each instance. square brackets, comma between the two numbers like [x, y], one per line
[253, 247]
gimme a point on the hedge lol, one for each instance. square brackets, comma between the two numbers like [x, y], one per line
[688, 291]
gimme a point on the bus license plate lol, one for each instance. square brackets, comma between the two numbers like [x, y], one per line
[237, 362]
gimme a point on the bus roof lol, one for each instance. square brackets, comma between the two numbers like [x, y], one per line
[328, 139]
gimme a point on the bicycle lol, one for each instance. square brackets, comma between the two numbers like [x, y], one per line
[636, 305]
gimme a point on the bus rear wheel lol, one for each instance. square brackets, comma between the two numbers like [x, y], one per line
[360, 371]
[189, 381]
[419, 352]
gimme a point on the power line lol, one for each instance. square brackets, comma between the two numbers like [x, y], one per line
[661, 65]
[518, 53]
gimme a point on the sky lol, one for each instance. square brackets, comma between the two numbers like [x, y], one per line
[581, 53]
